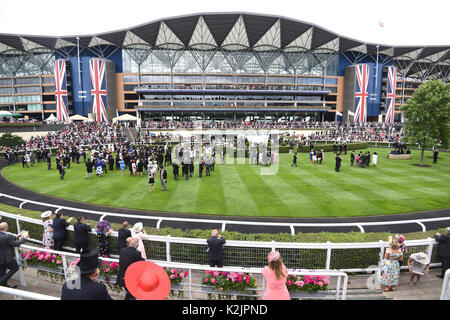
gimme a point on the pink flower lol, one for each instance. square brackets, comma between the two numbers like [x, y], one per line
[289, 282]
[299, 283]
[320, 283]
[58, 262]
[186, 273]
[224, 273]
[216, 273]
[208, 272]
[172, 276]
[213, 280]
[24, 254]
[106, 270]
[181, 275]
[173, 270]
[73, 263]
[105, 262]
[206, 280]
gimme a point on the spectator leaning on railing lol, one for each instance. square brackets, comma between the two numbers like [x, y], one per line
[443, 250]
[7, 258]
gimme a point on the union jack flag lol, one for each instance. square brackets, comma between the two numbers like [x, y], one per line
[61, 90]
[361, 92]
[390, 97]
[98, 92]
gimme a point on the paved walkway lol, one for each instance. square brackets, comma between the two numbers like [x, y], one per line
[428, 289]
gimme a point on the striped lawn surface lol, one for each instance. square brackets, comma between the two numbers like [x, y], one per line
[310, 190]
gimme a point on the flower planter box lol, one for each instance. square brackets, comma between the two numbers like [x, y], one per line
[58, 270]
[214, 290]
[308, 295]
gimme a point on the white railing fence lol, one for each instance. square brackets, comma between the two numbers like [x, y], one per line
[223, 223]
[346, 257]
[19, 294]
[196, 271]
[445, 291]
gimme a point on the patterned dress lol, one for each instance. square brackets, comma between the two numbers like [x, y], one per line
[389, 272]
[47, 237]
[103, 240]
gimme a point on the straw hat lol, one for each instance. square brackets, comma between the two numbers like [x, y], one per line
[147, 281]
[46, 214]
[138, 227]
[421, 258]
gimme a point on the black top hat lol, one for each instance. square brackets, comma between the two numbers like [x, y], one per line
[89, 261]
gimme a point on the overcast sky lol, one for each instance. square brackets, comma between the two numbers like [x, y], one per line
[406, 22]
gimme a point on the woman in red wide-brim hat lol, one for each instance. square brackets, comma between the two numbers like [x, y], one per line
[146, 280]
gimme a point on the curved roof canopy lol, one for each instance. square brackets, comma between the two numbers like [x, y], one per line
[232, 32]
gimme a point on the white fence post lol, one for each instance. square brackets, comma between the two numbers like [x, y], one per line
[327, 267]
[273, 245]
[430, 248]
[381, 250]
[64, 263]
[22, 280]
[18, 224]
[168, 249]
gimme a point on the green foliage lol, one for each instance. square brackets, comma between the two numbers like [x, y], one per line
[427, 115]
[10, 140]
[329, 147]
[21, 124]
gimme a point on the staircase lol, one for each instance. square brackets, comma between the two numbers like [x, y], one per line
[131, 134]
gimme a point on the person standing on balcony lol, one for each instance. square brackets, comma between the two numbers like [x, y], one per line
[443, 250]
[47, 237]
[59, 230]
[7, 256]
[275, 275]
[215, 249]
[122, 235]
[81, 237]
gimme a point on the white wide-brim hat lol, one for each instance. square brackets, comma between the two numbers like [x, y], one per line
[138, 227]
[421, 257]
[46, 214]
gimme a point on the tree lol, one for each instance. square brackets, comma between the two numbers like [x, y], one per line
[427, 115]
[10, 140]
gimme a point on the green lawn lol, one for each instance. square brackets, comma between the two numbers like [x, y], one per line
[310, 190]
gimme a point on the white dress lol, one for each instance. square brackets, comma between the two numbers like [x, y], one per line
[374, 159]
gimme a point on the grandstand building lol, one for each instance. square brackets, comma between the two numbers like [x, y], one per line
[214, 66]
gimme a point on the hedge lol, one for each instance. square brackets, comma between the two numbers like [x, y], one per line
[250, 257]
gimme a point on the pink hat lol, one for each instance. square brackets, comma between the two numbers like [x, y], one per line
[273, 256]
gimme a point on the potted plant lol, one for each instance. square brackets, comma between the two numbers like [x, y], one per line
[307, 287]
[176, 277]
[238, 284]
[48, 265]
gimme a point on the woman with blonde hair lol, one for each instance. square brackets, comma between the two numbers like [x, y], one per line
[389, 272]
[275, 274]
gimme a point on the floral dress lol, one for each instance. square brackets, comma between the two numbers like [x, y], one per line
[389, 272]
[47, 237]
[103, 240]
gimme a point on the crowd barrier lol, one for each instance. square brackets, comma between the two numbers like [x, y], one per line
[19, 294]
[346, 257]
[190, 286]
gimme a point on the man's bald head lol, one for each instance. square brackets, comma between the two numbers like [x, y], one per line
[134, 243]
[3, 226]
[448, 229]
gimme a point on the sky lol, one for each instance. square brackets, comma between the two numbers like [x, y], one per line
[412, 22]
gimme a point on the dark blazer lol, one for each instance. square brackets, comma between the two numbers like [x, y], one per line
[128, 256]
[215, 248]
[123, 234]
[59, 228]
[89, 291]
[81, 232]
[443, 245]
[7, 244]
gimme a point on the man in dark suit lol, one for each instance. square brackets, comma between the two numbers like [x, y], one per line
[128, 256]
[175, 169]
[123, 234]
[338, 163]
[163, 178]
[294, 160]
[81, 236]
[215, 250]
[85, 287]
[435, 155]
[59, 230]
[7, 256]
[352, 157]
[443, 250]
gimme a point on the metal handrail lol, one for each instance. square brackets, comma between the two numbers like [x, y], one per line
[26, 294]
[445, 291]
